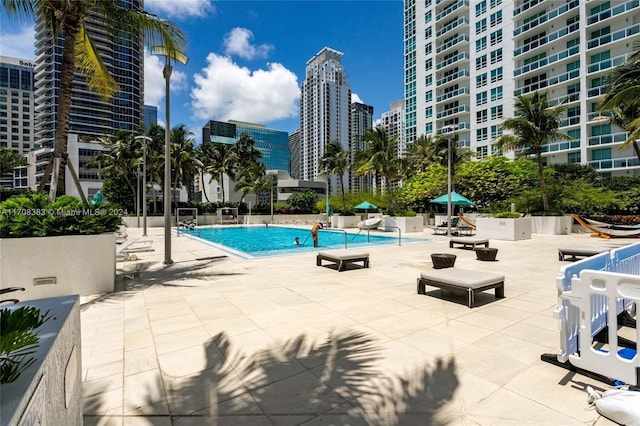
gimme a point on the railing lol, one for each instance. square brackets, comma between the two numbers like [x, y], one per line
[544, 18]
[452, 60]
[459, 74]
[606, 14]
[618, 35]
[547, 61]
[452, 8]
[459, 21]
[546, 39]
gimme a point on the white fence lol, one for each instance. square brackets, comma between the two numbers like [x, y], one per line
[588, 291]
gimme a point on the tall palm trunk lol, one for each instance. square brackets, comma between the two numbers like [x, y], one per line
[543, 186]
[204, 186]
[221, 176]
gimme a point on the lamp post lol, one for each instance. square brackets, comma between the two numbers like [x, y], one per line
[166, 73]
[144, 182]
[449, 187]
[271, 174]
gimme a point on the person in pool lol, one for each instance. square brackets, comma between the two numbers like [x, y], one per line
[296, 241]
[314, 232]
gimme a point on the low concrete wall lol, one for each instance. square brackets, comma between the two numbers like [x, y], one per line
[404, 223]
[58, 266]
[49, 392]
[504, 229]
[551, 225]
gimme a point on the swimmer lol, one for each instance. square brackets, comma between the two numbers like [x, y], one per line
[314, 233]
[296, 241]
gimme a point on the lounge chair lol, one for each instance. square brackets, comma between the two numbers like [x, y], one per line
[605, 230]
[342, 258]
[128, 250]
[467, 221]
[372, 223]
[469, 242]
[462, 281]
[574, 252]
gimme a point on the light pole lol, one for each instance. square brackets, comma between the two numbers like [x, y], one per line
[177, 56]
[144, 182]
[271, 174]
[449, 187]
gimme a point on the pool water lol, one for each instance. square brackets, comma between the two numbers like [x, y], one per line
[277, 240]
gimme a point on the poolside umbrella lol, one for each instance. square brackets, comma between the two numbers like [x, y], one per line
[365, 205]
[456, 199]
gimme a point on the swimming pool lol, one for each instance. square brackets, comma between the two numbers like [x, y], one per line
[260, 241]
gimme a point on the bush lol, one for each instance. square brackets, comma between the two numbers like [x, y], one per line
[302, 201]
[507, 215]
[406, 213]
[33, 215]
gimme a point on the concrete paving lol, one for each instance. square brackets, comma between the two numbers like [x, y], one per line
[217, 340]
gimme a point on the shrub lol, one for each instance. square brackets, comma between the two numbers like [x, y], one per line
[406, 213]
[33, 215]
[507, 215]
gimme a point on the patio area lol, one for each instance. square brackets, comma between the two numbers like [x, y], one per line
[217, 340]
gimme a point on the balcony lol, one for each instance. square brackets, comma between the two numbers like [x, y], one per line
[544, 18]
[457, 58]
[453, 111]
[618, 35]
[451, 128]
[462, 21]
[571, 97]
[561, 146]
[453, 94]
[547, 61]
[607, 64]
[462, 38]
[452, 77]
[547, 39]
[619, 137]
[528, 5]
[549, 82]
[570, 121]
[615, 164]
[606, 14]
[456, 6]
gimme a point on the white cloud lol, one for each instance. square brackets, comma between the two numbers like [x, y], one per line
[154, 84]
[238, 42]
[356, 98]
[19, 43]
[224, 91]
[180, 8]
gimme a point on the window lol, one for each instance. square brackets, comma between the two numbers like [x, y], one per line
[601, 32]
[495, 132]
[496, 75]
[601, 129]
[481, 25]
[428, 48]
[573, 66]
[481, 44]
[482, 134]
[428, 81]
[495, 3]
[496, 18]
[481, 80]
[428, 129]
[427, 17]
[496, 93]
[428, 32]
[496, 37]
[481, 7]
[481, 98]
[428, 64]
[573, 158]
[599, 57]
[601, 154]
[496, 112]
[428, 113]
[481, 152]
[496, 56]
[481, 116]
[428, 97]
[481, 62]
[574, 42]
[600, 8]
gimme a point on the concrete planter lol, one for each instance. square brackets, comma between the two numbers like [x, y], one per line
[343, 222]
[408, 224]
[504, 229]
[49, 392]
[58, 265]
[551, 225]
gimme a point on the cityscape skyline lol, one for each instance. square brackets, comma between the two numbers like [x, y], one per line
[243, 66]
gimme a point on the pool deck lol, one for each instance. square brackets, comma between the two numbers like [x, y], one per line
[217, 340]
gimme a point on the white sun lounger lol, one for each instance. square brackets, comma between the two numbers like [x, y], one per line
[342, 258]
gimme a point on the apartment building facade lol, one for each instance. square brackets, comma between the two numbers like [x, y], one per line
[361, 121]
[17, 104]
[325, 108]
[466, 61]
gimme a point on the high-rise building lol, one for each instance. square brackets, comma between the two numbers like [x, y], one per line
[458, 68]
[150, 116]
[16, 104]
[294, 150]
[361, 120]
[91, 115]
[567, 50]
[465, 63]
[325, 105]
[393, 122]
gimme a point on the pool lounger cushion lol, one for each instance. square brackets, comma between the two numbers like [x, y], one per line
[342, 258]
[469, 242]
[574, 252]
[462, 280]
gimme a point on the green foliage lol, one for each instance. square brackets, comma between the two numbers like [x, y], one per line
[406, 213]
[423, 187]
[303, 201]
[10, 159]
[33, 215]
[115, 189]
[18, 339]
[507, 215]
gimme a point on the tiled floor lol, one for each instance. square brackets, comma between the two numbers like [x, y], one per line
[280, 341]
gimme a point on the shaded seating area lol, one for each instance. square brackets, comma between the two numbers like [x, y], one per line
[342, 258]
[462, 281]
[576, 252]
[469, 242]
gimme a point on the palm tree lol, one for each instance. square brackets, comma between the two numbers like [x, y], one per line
[439, 153]
[155, 161]
[122, 154]
[383, 159]
[220, 160]
[420, 153]
[534, 125]
[622, 99]
[336, 161]
[69, 19]
[252, 178]
[185, 165]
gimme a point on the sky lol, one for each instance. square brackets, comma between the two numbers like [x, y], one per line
[247, 59]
